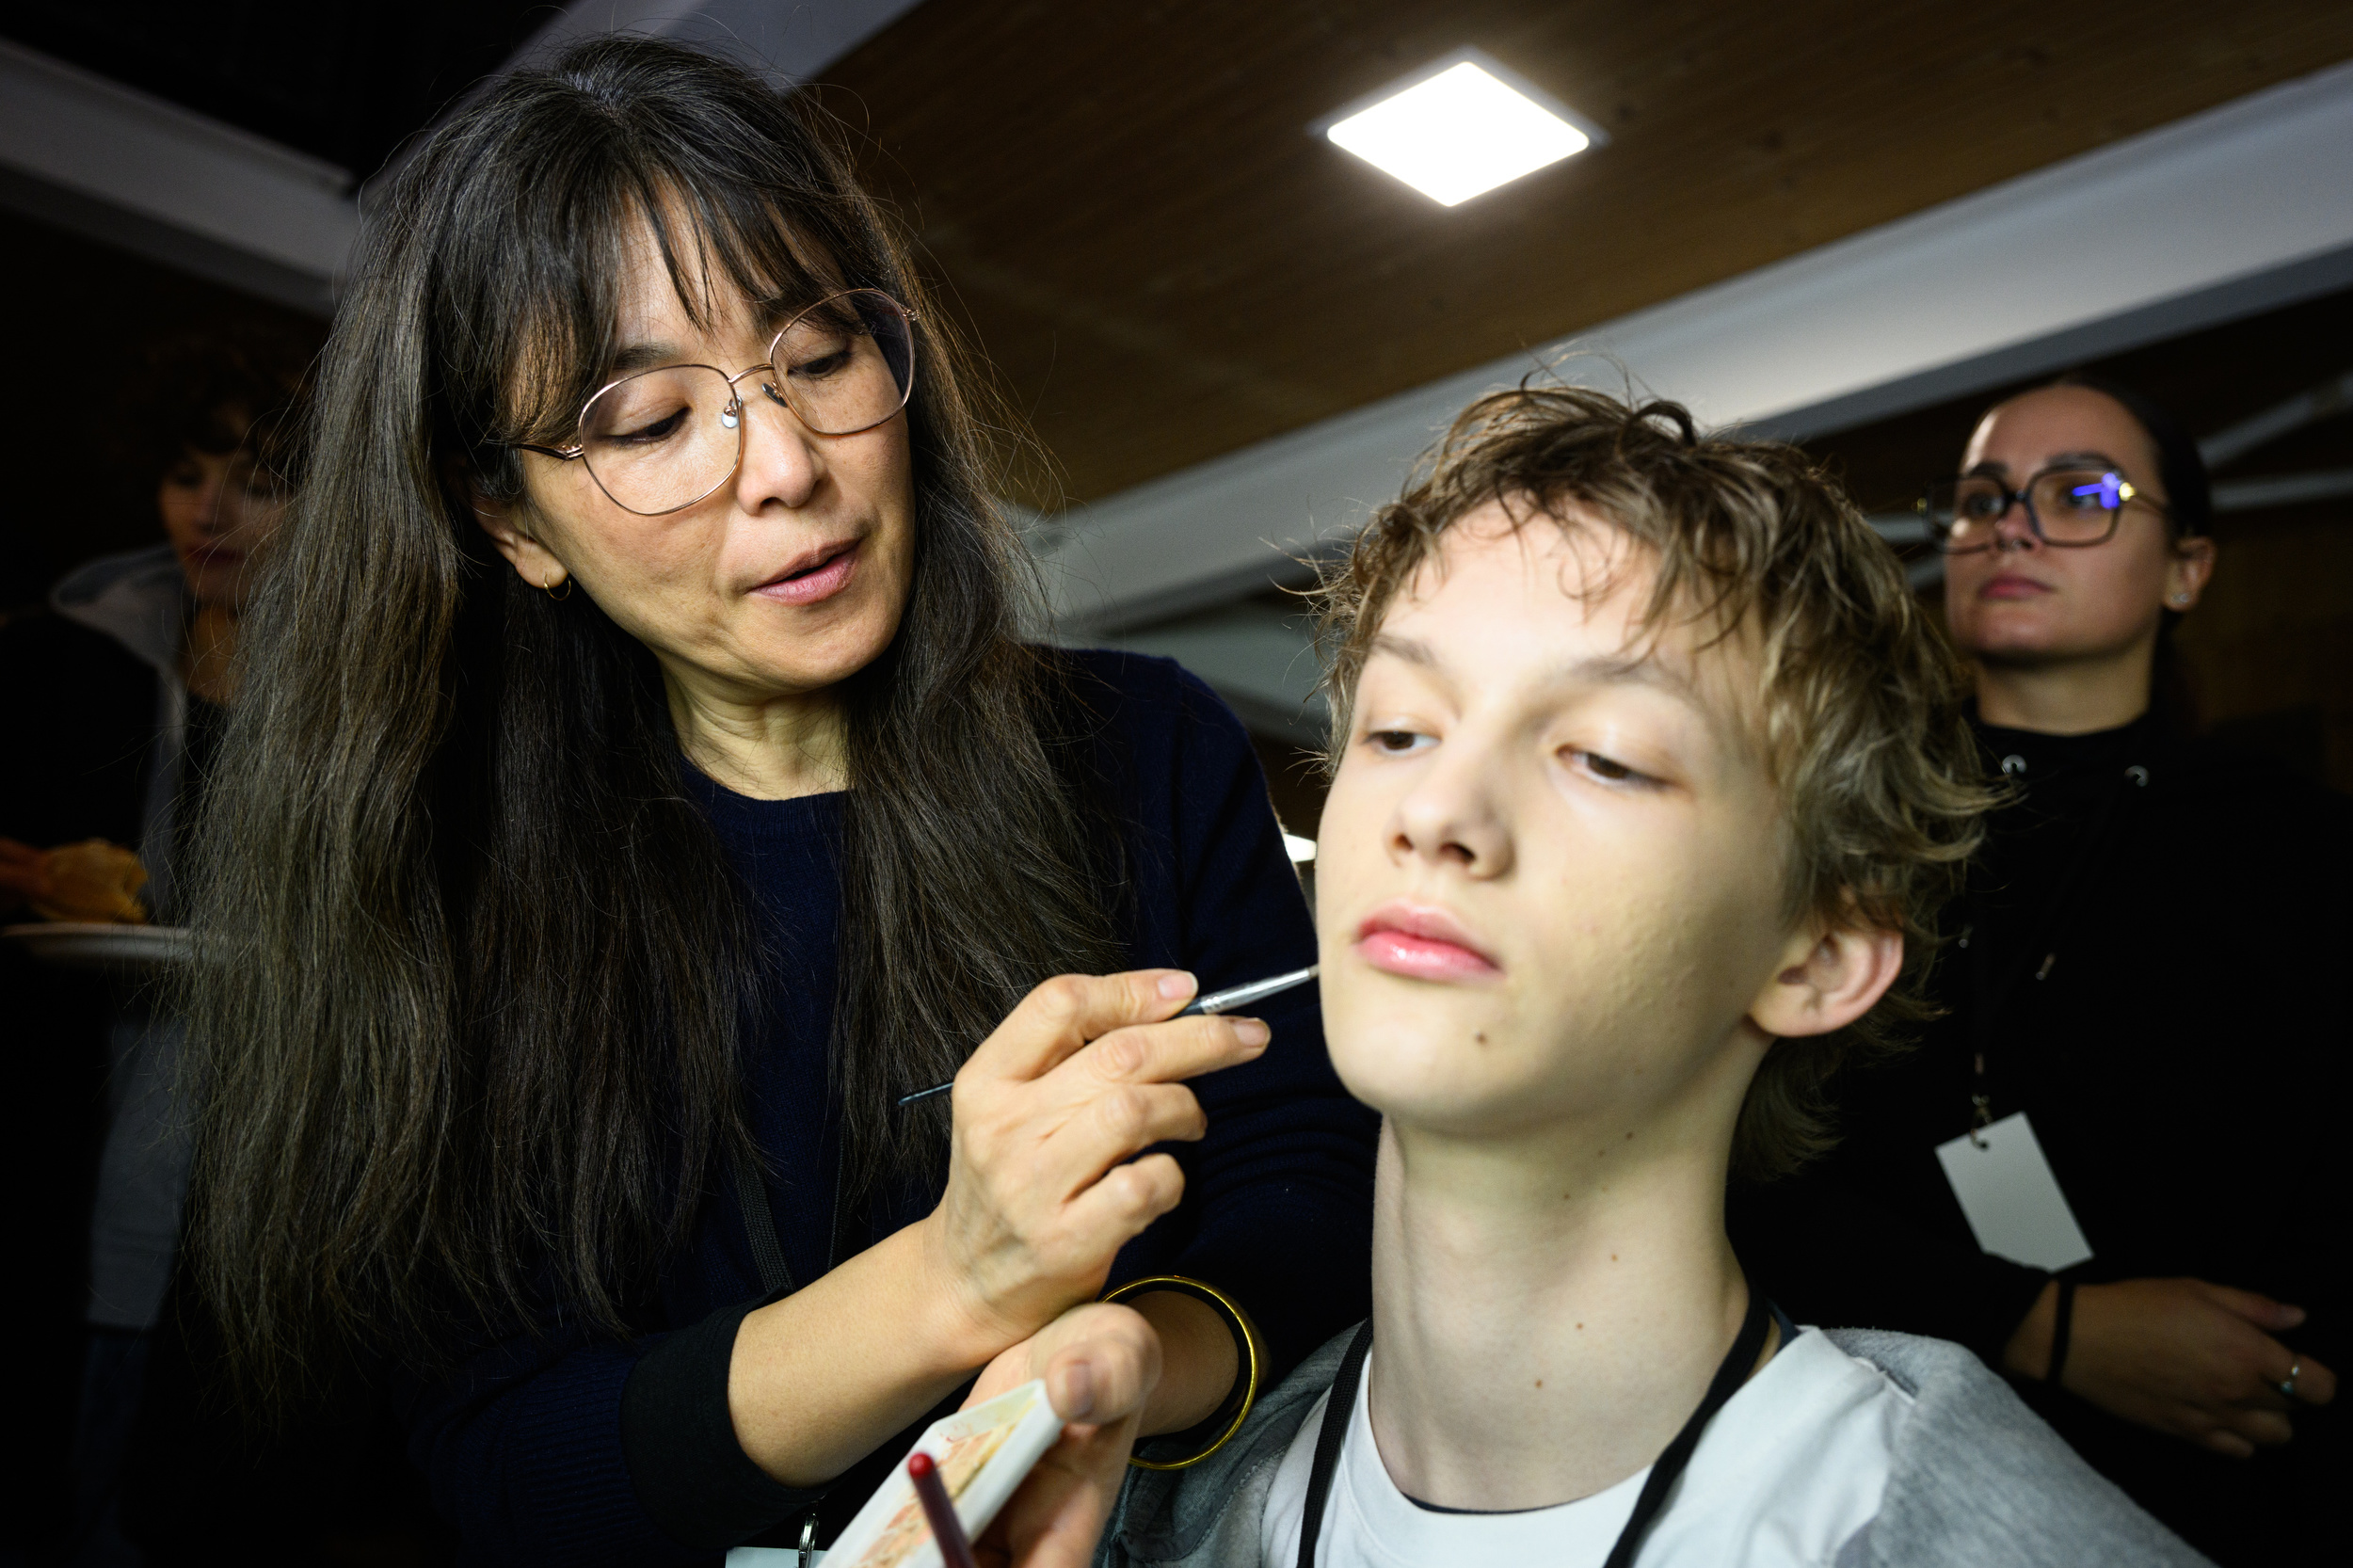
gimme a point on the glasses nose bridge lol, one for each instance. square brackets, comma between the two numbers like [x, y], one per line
[798, 428]
[776, 393]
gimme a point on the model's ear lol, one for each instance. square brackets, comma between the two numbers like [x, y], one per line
[534, 562]
[1827, 980]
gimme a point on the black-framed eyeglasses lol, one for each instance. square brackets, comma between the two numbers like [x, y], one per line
[662, 440]
[2068, 507]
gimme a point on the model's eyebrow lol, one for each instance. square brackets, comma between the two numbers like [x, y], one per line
[1626, 670]
[1595, 670]
[1413, 650]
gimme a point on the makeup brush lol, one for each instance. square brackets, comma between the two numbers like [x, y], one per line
[1216, 1001]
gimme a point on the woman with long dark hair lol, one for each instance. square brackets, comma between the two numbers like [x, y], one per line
[642, 792]
[2112, 1168]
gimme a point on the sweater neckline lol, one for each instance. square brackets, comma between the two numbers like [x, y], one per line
[747, 816]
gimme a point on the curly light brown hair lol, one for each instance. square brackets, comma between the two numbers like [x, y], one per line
[1859, 718]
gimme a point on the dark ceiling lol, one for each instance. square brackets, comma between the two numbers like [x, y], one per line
[1166, 266]
[343, 82]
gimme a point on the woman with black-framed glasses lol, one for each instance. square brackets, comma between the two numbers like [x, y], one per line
[2065, 561]
[2110, 1168]
[645, 793]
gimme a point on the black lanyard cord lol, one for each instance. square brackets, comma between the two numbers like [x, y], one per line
[1340, 1410]
[760, 1226]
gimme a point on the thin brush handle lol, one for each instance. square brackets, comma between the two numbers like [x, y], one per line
[1216, 1001]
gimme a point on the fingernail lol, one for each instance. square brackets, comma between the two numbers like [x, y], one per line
[1249, 1031]
[1078, 1392]
[1176, 985]
[2291, 1316]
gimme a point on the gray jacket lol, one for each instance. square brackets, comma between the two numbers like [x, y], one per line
[1977, 1481]
[140, 601]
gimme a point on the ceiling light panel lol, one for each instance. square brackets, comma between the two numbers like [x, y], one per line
[1459, 128]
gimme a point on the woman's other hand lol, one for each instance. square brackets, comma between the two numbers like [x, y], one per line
[1101, 1364]
[1043, 1184]
[2193, 1360]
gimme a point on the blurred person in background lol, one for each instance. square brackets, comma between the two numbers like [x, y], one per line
[2148, 966]
[114, 693]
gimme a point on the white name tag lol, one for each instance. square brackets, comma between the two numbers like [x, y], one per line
[769, 1557]
[2012, 1201]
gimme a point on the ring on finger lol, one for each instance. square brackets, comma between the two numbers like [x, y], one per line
[2287, 1385]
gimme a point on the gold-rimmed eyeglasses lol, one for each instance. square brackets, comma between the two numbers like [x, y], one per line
[2072, 507]
[660, 440]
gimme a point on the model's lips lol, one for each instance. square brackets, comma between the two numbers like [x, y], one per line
[2009, 585]
[216, 555]
[1421, 941]
[813, 575]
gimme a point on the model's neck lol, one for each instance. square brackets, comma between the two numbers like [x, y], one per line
[1543, 1326]
[2067, 696]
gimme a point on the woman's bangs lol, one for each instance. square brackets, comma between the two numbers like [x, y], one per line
[723, 242]
[562, 322]
[716, 251]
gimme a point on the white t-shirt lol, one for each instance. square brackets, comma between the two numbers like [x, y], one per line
[1789, 1469]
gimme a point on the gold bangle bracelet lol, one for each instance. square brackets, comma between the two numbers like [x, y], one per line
[1254, 1354]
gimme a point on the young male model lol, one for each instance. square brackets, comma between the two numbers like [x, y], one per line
[1649, 779]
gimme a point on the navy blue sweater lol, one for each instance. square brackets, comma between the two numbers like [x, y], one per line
[564, 1447]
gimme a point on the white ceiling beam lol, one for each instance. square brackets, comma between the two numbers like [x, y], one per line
[1260, 658]
[130, 169]
[795, 39]
[2237, 209]
[2329, 399]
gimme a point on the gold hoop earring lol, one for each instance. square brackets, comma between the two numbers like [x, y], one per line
[563, 583]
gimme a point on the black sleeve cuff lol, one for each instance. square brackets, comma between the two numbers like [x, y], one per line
[688, 1471]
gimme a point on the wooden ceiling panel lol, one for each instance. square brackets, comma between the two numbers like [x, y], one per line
[1165, 265]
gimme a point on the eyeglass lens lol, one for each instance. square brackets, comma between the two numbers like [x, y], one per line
[2069, 507]
[667, 437]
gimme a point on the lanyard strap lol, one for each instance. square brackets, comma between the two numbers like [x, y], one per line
[1340, 1410]
[759, 1227]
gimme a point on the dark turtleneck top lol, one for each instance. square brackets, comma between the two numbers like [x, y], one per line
[2181, 1061]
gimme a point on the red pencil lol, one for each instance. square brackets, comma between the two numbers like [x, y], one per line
[955, 1550]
